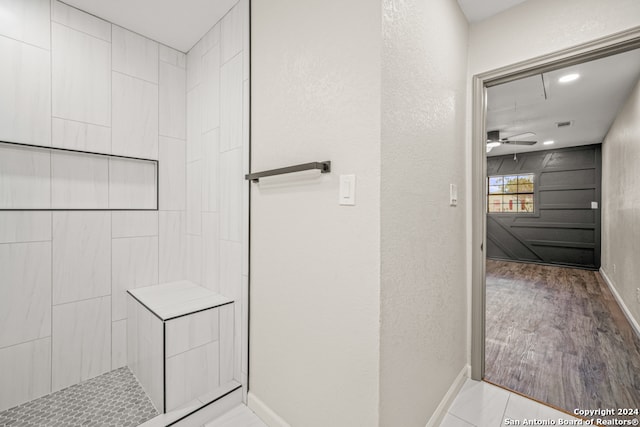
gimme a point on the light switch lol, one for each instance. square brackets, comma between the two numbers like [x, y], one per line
[453, 195]
[347, 190]
[594, 205]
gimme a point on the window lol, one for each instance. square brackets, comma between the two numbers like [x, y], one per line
[510, 194]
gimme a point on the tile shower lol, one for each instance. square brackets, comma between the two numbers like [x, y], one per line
[73, 237]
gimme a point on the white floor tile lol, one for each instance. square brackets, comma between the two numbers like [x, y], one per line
[480, 404]
[453, 421]
[241, 416]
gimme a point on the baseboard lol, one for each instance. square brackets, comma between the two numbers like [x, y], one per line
[266, 414]
[449, 397]
[634, 323]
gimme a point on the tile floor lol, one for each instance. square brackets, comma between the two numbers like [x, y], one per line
[112, 399]
[481, 404]
[240, 416]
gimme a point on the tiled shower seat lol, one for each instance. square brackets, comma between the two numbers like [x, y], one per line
[180, 343]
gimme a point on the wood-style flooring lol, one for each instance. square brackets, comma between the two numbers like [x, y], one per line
[557, 335]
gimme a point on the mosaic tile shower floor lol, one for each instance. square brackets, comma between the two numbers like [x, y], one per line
[112, 399]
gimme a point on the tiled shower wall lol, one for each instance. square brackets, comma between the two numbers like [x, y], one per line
[217, 156]
[69, 79]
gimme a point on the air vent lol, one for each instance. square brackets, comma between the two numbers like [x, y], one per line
[563, 124]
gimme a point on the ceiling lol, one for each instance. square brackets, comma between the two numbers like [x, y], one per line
[535, 104]
[178, 24]
[477, 10]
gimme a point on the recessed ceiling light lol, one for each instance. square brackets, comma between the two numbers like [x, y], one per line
[569, 78]
[548, 142]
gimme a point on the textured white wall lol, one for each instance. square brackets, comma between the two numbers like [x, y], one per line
[314, 264]
[423, 291]
[621, 202]
[538, 27]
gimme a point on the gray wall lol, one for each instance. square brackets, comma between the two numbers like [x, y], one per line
[621, 207]
[564, 229]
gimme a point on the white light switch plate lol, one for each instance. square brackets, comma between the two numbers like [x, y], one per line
[453, 195]
[347, 195]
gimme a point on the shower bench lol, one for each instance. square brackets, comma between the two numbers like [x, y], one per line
[180, 344]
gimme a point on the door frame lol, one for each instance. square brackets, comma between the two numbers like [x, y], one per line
[598, 48]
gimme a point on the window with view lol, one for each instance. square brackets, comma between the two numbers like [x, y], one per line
[510, 194]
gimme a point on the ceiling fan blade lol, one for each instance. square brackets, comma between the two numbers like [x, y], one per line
[521, 135]
[507, 141]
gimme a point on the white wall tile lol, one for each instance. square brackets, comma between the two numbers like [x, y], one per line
[231, 180]
[134, 55]
[192, 374]
[132, 184]
[173, 101]
[173, 246]
[194, 198]
[172, 56]
[194, 259]
[231, 269]
[25, 226]
[134, 224]
[24, 177]
[211, 89]
[81, 255]
[173, 174]
[194, 66]
[211, 39]
[231, 87]
[118, 344]
[194, 125]
[244, 328]
[27, 21]
[25, 370]
[246, 39]
[81, 76]
[79, 181]
[144, 350]
[211, 170]
[211, 251]
[135, 117]
[25, 93]
[81, 341]
[80, 136]
[25, 294]
[135, 264]
[226, 342]
[191, 331]
[232, 33]
[81, 21]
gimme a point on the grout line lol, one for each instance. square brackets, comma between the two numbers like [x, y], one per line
[24, 342]
[82, 300]
[78, 121]
[80, 31]
[51, 191]
[28, 242]
[134, 77]
[26, 43]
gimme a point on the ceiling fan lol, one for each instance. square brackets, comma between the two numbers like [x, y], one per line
[494, 140]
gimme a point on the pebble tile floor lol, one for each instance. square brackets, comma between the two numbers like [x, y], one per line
[112, 399]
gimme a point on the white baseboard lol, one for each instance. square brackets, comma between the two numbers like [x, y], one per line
[619, 300]
[265, 413]
[449, 397]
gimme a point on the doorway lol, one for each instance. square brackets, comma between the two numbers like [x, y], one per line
[517, 186]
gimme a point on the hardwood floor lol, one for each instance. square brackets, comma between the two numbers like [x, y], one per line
[557, 335]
